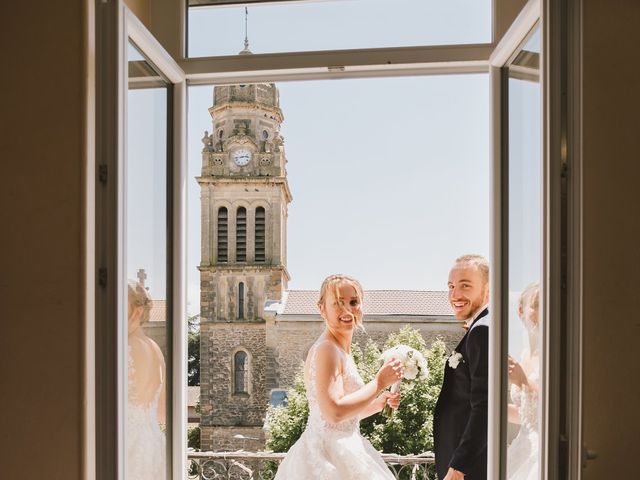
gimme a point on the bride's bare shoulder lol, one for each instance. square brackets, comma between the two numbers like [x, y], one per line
[328, 355]
[325, 347]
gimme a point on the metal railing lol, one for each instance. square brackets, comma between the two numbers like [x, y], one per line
[242, 465]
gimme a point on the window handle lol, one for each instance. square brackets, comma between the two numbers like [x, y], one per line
[587, 455]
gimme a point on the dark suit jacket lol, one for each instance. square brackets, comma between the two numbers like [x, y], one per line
[460, 418]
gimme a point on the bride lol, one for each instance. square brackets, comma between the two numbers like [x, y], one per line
[331, 447]
[145, 442]
[522, 454]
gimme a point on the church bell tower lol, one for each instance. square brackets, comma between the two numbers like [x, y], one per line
[244, 199]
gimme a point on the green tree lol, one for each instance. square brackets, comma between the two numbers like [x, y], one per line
[193, 438]
[409, 431]
[286, 423]
[193, 351]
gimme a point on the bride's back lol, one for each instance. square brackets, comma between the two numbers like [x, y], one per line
[146, 372]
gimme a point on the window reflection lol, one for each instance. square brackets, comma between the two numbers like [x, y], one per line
[146, 391]
[525, 261]
[146, 253]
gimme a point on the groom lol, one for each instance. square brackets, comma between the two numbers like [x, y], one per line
[460, 417]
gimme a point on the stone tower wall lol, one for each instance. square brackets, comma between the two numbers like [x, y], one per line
[220, 405]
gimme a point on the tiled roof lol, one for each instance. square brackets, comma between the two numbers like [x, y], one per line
[376, 302]
[158, 311]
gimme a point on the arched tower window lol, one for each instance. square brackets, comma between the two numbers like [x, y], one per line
[260, 235]
[223, 225]
[241, 301]
[241, 235]
[240, 372]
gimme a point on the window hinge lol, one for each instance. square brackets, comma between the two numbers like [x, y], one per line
[103, 174]
[102, 277]
[587, 455]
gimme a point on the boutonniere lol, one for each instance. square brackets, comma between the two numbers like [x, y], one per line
[454, 359]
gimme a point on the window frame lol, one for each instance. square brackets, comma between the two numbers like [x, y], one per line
[529, 17]
[115, 24]
[247, 372]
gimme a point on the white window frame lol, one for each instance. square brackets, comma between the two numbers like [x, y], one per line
[116, 24]
[498, 348]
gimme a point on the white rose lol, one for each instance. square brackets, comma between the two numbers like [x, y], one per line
[410, 373]
[424, 369]
[454, 359]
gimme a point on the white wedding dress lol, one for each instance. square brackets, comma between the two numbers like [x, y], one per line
[332, 451]
[145, 442]
[522, 454]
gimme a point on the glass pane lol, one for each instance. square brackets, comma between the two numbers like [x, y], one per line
[525, 261]
[389, 181]
[147, 274]
[305, 26]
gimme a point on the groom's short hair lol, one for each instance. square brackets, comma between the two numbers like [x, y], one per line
[476, 261]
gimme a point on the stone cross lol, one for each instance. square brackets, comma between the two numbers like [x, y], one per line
[142, 276]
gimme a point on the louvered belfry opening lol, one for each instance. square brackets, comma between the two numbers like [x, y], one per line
[241, 235]
[223, 235]
[260, 239]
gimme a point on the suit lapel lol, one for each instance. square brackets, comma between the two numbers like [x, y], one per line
[484, 313]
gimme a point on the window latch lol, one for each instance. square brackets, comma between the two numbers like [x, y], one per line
[102, 277]
[103, 174]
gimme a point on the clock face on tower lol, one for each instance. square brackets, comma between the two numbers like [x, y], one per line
[242, 157]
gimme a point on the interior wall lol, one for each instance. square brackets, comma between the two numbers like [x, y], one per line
[504, 13]
[166, 18]
[141, 9]
[43, 154]
[611, 146]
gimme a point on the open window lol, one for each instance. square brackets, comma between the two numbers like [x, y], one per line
[142, 200]
[140, 339]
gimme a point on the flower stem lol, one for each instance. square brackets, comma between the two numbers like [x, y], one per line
[387, 411]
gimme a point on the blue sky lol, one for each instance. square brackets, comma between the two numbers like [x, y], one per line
[338, 24]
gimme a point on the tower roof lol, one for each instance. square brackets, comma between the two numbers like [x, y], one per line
[265, 94]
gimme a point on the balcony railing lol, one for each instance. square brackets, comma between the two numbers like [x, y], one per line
[243, 465]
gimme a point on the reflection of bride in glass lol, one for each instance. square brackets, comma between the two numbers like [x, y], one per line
[524, 377]
[145, 441]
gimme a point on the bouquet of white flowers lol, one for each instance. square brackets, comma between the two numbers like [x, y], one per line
[413, 363]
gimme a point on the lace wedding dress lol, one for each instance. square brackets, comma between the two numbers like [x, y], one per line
[522, 454]
[145, 442]
[332, 451]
